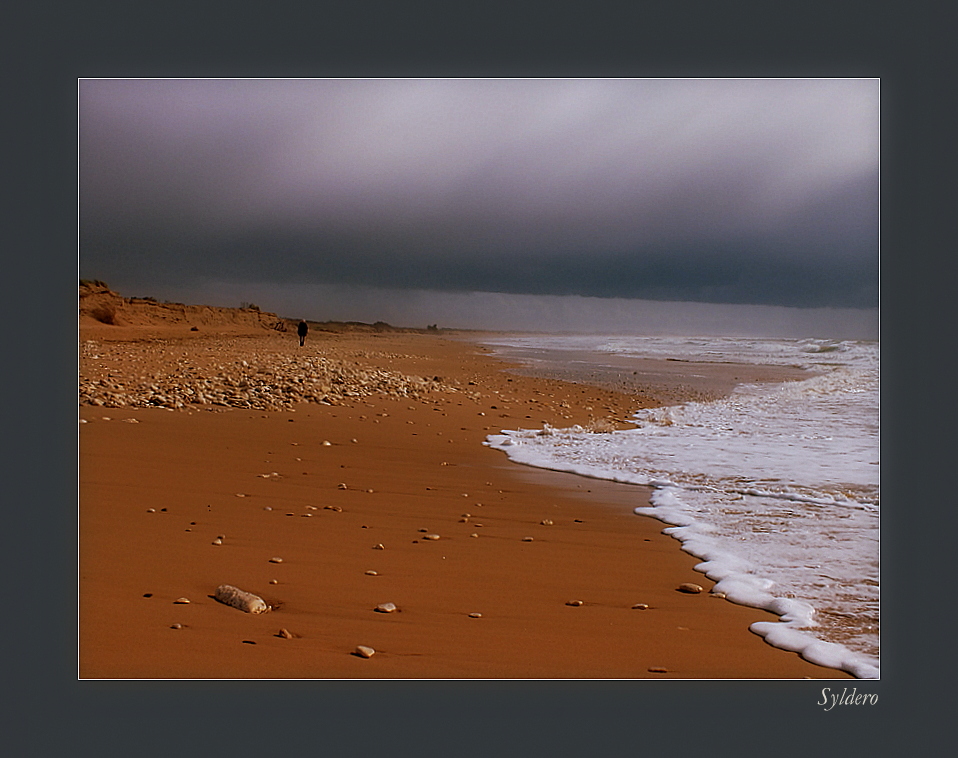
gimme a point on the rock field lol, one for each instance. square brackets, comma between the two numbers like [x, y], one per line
[265, 373]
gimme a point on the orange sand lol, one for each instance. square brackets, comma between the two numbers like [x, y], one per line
[409, 466]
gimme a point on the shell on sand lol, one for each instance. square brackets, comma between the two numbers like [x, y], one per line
[237, 598]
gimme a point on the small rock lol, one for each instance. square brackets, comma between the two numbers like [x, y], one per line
[364, 651]
[305, 515]
[524, 539]
[327, 443]
[386, 607]
[275, 560]
[285, 634]
[182, 600]
[333, 508]
[379, 546]
[430, 536]
[575, 603]
[546, 522]
[720, 595]
[237, 598]
[640, 607]
[240, 494]
[473, 535]
[267, 508]
[217, 541]
[467, 515]
[463, 520]
[274, 581]
[475, 615]
[372, 573]
[176, 626]
[691, 589]
[342, 485]
[151, 510]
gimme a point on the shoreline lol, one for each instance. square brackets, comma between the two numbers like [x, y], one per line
[419, 455]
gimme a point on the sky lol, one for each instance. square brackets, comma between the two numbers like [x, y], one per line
[573, 204]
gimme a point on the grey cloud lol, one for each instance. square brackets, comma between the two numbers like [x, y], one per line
[740, 191]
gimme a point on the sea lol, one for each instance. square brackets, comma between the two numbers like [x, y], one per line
[774, 487]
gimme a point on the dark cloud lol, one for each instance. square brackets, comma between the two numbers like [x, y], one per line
[753, 191]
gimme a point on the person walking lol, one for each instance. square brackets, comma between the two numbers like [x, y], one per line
[302, 330]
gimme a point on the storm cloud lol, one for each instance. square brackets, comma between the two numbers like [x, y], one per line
[715, 191]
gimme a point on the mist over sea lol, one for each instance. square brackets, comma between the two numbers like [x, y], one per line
[775, 488]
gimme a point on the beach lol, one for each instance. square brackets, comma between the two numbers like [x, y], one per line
[351, 473]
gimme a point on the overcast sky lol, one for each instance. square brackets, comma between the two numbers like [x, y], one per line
[749, 192]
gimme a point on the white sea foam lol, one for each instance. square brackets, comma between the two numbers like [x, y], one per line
[775, 488]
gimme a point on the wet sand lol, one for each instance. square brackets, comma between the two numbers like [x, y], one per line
[154, 496]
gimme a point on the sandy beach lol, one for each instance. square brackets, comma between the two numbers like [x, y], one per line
[378, 490]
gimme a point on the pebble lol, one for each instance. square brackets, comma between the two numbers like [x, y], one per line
[176, 626]
[333, 508]
[342, 485]
[240, 494]
[546, 522]
[640, 607]
[473, 535]
[524, 539]
[720, 595]
[386, 607]
[430, 536]
[285, 634]
[151, 510]
[267, 508]
[217, 541]
[237, 598]
[327, 443]
[688, 587]
[379, 546]
[574, 603]
[364, 651]
[475, 615]
[275, 560]
[274, 581]
[372, 573]
[182, 600]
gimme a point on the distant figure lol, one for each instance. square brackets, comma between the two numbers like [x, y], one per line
[301, 330]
